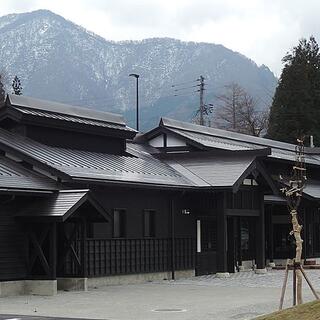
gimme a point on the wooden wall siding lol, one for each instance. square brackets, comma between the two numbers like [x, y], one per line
[12, 243]
[107, 257]
[248, 198]
[135, 202]
[76, 140]
[202, 204]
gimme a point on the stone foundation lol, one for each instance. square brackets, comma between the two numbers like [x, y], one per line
[50, 287]
[73, 284]
[223, 275]
[247, 265]
[260, 271]
[137, 278]
[24, 287]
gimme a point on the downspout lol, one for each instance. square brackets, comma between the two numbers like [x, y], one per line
[173, 251]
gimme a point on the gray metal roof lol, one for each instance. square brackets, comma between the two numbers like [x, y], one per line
[213, 171]
[216, 142]
[271, 198]
[58, 111]
[59, 206]
[14, 176]
[63, 117]
[136, 168]
[312, 189]
[170, 123]
[233, 141]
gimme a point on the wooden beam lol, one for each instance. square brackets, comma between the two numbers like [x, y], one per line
[38, 252]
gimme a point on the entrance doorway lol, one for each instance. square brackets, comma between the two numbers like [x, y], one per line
[241, 242]
[206, 257]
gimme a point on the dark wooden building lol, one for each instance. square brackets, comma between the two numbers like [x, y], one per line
[84, 197]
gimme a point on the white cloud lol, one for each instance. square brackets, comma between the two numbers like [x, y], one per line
[262, 30]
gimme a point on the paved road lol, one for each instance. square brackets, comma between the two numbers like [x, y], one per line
[241, 297]
[20, 317]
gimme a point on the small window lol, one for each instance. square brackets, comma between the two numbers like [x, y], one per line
[119, 223]
[149, 223]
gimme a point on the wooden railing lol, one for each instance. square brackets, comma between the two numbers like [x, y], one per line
[124, 256]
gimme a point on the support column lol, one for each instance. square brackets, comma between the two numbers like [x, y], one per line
[271, 244]
[53, 251]
[173, 246]
[222, 266]
[84, 248]
[260, 239]
[231, 244]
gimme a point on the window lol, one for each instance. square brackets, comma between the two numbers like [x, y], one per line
[149, 223]
[119, 223]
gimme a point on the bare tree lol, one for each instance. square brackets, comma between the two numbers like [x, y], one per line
[237, 111]
[252, 121]
[229, 105]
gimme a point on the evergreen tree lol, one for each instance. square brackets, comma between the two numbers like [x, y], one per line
[16, 86]
[295, 109]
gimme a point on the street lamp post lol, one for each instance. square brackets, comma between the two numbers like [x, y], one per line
[137, 97]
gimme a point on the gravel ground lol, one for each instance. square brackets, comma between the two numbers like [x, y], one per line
[243, 296]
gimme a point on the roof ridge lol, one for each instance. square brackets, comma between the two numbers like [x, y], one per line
[62, 108]
[235, 136]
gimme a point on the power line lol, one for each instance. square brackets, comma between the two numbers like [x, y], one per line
[180, 84]
[185, 88]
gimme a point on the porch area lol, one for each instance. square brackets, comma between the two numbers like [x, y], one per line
[62, 244]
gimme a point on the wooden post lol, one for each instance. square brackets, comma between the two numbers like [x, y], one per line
[260, 237]
[231, 244]
[84, 248]
[222, 234]
[309, 283]
[294, 278]
[53, 251]
[284, 285]
[271, 244]
[173, 251]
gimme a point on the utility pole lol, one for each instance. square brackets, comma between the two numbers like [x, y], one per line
[201, 109]
[137, 97]
[233, 110]
[204, 109]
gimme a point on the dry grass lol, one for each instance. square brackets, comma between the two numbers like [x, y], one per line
[306, 311]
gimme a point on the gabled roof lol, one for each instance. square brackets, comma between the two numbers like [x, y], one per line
[27, 108]
[230, 135]
[211, 138]
[16, 178]
[61, 206]
[218, 171]
[136, 167]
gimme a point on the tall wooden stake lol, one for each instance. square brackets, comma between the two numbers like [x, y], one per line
[293, 193]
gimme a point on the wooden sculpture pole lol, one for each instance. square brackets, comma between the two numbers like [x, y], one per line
[293, 194]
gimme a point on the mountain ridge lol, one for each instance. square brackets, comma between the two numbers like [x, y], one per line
[59, 60]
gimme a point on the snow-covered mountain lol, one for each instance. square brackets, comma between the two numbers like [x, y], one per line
[61, 61]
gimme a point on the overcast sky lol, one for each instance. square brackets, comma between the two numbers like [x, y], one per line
[263, 30]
